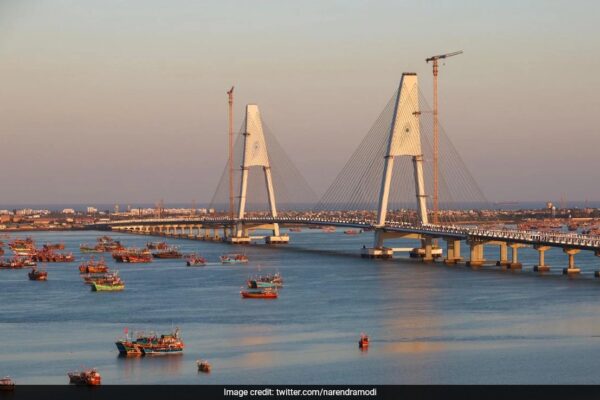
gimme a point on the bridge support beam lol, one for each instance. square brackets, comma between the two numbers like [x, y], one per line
[452, 251]
[571, 269]
[541, 267]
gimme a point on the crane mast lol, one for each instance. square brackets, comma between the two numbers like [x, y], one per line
[436, 137]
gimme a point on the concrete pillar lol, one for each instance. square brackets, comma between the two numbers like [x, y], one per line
[514, 262]
[476, 254]
[427, 244]
[541, 267]
[452, 251]
[450, 259]
[571, 269]
[503, 261]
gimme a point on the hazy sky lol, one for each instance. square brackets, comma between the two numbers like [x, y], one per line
[106, 101]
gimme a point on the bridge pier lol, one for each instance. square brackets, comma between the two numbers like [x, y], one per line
[427, 246]
[281, 239]
[514, 262]
[503, 262]
[476, 258]
[452, 251]
[597, 273]
[376, 252]
[571, 269]
[541, 267]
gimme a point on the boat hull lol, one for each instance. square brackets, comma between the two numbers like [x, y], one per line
[97, 287]
[250, 295]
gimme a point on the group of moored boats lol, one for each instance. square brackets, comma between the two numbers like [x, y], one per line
[26, 254]
[98, 275]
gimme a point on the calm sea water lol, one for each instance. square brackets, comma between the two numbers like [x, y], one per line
[429, 323]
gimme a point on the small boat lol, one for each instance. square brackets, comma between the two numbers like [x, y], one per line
[254, 284]
[89, 377]
[167, 253]
[112, 286]
[266, 293]
[93, 267]
[328, 229]
[37, 275]
[363, 342]
[351, 232]
[56, 246]
[195, 260]
[7, 384]
[132, 255]
[157, 245]
[203, 366]
[164, 345]
[84, 248]
[103, 279]
[151, 345]
[269, 281]
[233, 258]
[29, 263]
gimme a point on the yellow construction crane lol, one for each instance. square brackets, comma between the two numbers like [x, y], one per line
[231, 203]
[436, 140]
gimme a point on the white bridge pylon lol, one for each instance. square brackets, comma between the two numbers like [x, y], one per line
[404, 139]
[255, 155]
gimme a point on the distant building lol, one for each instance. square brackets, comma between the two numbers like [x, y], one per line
[92, 210]
[68, 211]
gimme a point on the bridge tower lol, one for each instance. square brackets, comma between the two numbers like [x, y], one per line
[255, 155]
[404, 139]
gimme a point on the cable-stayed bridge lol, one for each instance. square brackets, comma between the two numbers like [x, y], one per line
[373, 192]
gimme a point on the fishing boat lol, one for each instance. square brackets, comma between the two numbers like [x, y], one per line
[29, 263]
[163, 345]
[233, 258]
[105, 278]
[116, 285]
[93, 267]
[37, 275]
[85, 248]
[203, 366]
[7, 384]
[268, 281]
[363, 342]
[132, 256]
[351, 232]
[103, 244]
[13, 263]
[52, 256]
[195, 260]
[254, 284]
[90, 377]
[266, 293]
[152, 344]
[167, 253]
[157, 245]
[54, 246]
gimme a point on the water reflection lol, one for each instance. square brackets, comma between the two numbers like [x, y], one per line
[133, 368]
